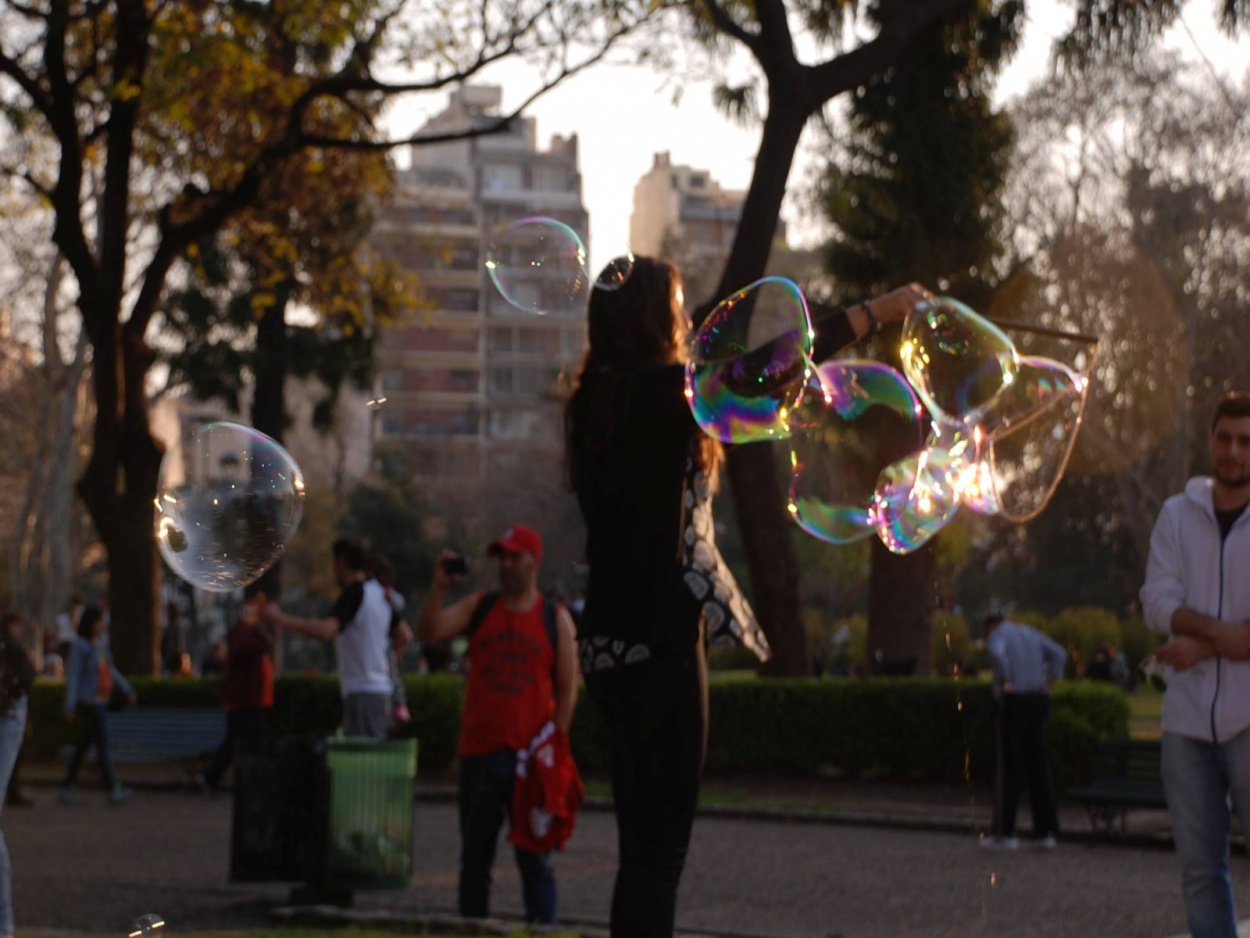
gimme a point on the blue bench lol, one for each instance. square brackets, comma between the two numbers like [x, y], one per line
[1126, 775]
[161, 736]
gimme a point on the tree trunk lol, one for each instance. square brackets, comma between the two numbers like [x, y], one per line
[119, 489]
[269, 403]
[900, 604]
[758, 492]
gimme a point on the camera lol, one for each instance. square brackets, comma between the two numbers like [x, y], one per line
[455, 565]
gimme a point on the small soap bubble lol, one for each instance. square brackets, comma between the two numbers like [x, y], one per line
[538, 265]
[617, 271]
[145, 926]
[227, 506]
[748, 363]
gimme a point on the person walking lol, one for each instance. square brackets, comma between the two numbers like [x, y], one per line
[522, 676]
[359, 624]
[1197, 592]
[17, 674]
[246, 693]
[1026, 664]
[90, 680]
[658, 589]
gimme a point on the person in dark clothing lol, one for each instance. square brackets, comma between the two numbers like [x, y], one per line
[658, 589]
[246, 693]
[17, 674]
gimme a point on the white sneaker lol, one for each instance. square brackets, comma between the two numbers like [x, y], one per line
[1049, 842]
[1000, 844]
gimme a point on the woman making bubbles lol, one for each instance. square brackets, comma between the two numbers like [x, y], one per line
[644, 475]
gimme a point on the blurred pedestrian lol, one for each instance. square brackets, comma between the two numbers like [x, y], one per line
[17, 674]
[90, 681]
[1026, 665]
[359, 624]
[246, 693]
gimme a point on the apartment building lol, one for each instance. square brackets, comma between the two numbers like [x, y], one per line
[470, 381]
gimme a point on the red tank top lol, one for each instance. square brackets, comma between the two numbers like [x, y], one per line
[510, 694]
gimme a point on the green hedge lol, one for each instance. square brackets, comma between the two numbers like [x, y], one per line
[926, 729]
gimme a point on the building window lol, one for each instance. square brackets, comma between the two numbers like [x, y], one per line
[539, 341]
[502, 381]
[552, 178]
[501, 177]
[499, 339]
[393, 379]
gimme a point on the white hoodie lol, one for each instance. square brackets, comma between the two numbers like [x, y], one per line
[1189, 566]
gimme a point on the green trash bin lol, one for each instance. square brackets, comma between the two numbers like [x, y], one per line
[368, 837]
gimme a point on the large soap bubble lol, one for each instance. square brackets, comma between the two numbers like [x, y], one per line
[748, 363]
[957, 361]
[865, 419]
[539, 266]
[227, 506]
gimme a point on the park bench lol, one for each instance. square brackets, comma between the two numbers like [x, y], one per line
[1126, 775]
[162, 736]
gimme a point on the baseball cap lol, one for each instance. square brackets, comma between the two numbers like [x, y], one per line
[518, 539]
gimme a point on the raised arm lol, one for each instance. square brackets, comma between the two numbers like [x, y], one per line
[437, 622]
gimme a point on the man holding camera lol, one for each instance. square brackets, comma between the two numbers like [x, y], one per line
[359, 625]
[522, 674]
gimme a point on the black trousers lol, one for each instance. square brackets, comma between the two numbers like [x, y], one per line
[656, 714]
[1021, 758]
[247, 731]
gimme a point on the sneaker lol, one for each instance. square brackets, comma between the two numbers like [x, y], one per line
[202, 784]
[68, 796]
[120, 794]
[1000, 844]
[1049, 842]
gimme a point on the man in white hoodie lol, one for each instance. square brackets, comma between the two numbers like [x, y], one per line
[1197, 590]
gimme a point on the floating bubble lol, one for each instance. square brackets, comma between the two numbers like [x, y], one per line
[957, 361]
[860, 418]
[914, 499]
[1027, 460]
[227, 506]
[748, 363]
[539, 266]
[617, 271]
[146, 925]
[1037, 385]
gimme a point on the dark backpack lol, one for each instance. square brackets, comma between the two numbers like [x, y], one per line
[487, 603]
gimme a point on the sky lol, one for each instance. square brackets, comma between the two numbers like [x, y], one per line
[623, 116]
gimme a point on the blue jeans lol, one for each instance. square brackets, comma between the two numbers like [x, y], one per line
[12, 732]
[1199, 779]
[486, 784]
[93, 730]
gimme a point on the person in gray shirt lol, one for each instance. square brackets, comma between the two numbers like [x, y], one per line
[1026, 663]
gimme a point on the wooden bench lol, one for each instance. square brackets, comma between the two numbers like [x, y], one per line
[1126, 775]
[162, 735]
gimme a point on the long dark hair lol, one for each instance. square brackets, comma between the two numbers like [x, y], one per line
[87, 619]
[641, 323]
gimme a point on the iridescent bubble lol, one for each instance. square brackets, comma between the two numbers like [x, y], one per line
[539, 266]
[1028, 459]
[227, 505]
[957, 361]
[914, 500]
[863, 418]
[748, 363]
[1034, 388]
[617, 271]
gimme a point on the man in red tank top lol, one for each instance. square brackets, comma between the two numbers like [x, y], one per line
[518, 680]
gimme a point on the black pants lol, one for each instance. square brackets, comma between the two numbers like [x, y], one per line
[656, 714]
[1021, 758]
[93, 730]
[247, 731]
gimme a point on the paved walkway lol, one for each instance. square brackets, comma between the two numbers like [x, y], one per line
[883, 867]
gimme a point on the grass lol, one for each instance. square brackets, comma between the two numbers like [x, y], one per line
[1145, 705]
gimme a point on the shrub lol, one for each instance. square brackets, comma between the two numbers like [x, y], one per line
[1073, 743]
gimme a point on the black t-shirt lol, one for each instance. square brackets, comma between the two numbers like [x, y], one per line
[1227, 518]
